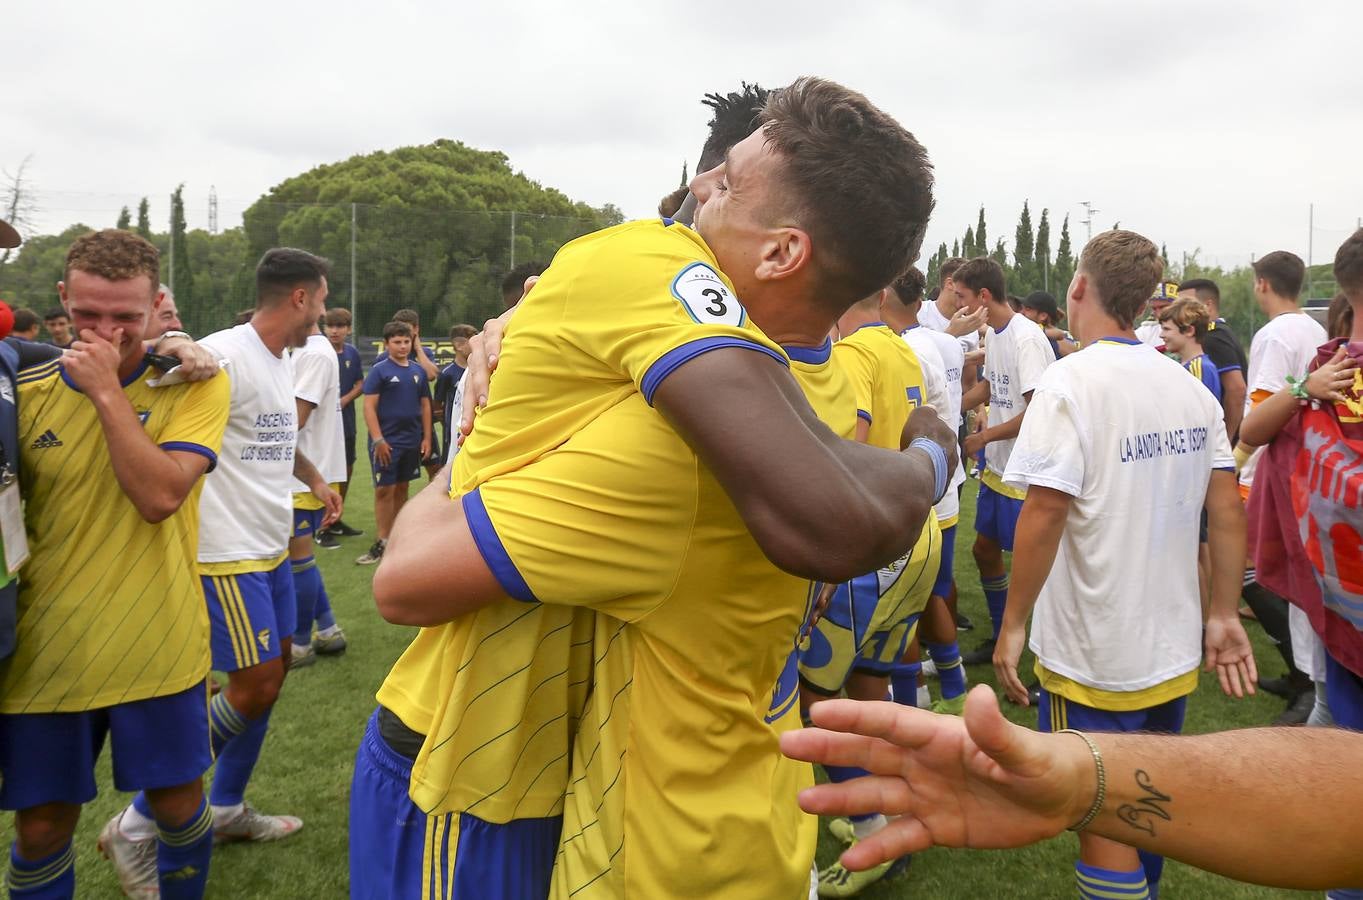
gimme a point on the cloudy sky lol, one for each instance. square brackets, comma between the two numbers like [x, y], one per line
[1202, 124]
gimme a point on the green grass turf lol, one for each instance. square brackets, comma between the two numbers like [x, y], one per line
[306, 764]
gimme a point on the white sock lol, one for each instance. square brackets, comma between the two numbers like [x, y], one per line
[227, 813]
[329, 632]
[814, 882]
[135, 826]
[924, 697]
[300, 649]
[867, 827]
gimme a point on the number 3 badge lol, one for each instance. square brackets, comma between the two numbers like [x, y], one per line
[706, 297]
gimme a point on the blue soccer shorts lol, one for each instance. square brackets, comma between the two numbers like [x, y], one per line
[307, 522]
[397, 852]
[1344, 694]
[946, 571]
[1056, 713]
[404, 464]
[996, 516]
[157, 743]
[250, 613]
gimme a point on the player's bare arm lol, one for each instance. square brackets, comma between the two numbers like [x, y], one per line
[747, 419]
[1327, 384]
[197, 363]
[1006, 431]
[425, 427]
[1040, 526]
[383, 454]
[304, 408]
[157, 481]
[1233, 399]
[981, 781]
[306, 472]
[1227, 647]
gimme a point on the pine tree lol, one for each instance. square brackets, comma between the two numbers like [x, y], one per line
[144, 219]
[124, 219]
[968, 248]
[1064, 258]
[181, 277]
[686, 180]
[981, 239]
[1000, 256]
[1042, 255]
[1024, 278]
[956, 248]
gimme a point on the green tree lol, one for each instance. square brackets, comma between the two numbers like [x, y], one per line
[956, 248]
[685, 178]
[144, 219]
[30, 277]
[981, 239]
[124, 219]
[181, 274]
[968, 247]
[436, 227]
[1041, 257]
[1000, 256]
[1064, 259]
[1024, 275]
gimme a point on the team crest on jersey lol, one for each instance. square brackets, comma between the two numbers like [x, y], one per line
[143, 415]
[263, 635]
[706, 297]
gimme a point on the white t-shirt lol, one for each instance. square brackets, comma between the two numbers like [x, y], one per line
[1014, 361]
[246, 509]
[935, 348]
[317, 379]
[1286, 345]
[930, 316]
[1104, 425]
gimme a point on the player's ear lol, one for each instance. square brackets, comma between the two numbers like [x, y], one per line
[784, 253]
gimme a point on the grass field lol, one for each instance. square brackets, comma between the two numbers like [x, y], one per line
[306, 764]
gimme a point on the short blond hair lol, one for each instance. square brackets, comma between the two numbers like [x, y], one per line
[1124, 267]
[114, 255]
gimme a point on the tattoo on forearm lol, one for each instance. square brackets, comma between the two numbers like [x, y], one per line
[1142, 814]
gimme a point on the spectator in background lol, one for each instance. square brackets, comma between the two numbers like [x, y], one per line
[397, 412]
[1147, 332]
[513, 285]
[167, 315]
[338, 323]
[1223, 349]
[1183, 328]
[447, 384]
[26, 324]
[1041, 308]
[425, 358]
[58, 325]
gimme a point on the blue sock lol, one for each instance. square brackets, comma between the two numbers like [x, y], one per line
[1153, 864]
[142, 806]
[307, 584]
[236, 761]
[1105, 884]
[325, 617]
[53, 878]
[995, 597]
[839, 774]
[950, 672]
[224, 723]
[904, 682]
[182, 856]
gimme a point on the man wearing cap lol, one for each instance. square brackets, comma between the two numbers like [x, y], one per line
[1041, 308]
[1148, 332]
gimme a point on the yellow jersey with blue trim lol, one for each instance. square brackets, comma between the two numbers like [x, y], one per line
[887, 381]
[693, 675]
[498, 692]
[111, 609]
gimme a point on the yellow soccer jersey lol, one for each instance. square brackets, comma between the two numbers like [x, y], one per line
[694, 676]
[110, 606]
[497, 692]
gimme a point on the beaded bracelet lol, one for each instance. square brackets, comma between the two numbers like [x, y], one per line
[1102, 780]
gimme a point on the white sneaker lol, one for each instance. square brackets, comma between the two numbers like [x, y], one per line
[250, 825]
[134, 861]
[301, 656]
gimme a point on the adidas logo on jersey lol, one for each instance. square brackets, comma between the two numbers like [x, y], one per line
[46, 440]
[394, 379]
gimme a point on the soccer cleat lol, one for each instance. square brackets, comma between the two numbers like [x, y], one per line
[953, 707]
[341, 529]
[327, 541]
[372, 556]
[983, 655]
[963, 622]
[841, 828]
[329, 644]
[250, 825]
[835, 881]
[301, 656]
[134, 861]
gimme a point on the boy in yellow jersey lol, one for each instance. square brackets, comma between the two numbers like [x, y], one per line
[1113, 654]
[650, 563]
[111, 469]
[871, 619]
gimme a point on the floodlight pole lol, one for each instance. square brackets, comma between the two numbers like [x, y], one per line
[353, 319]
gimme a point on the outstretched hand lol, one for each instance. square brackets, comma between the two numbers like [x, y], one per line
[975, 781]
